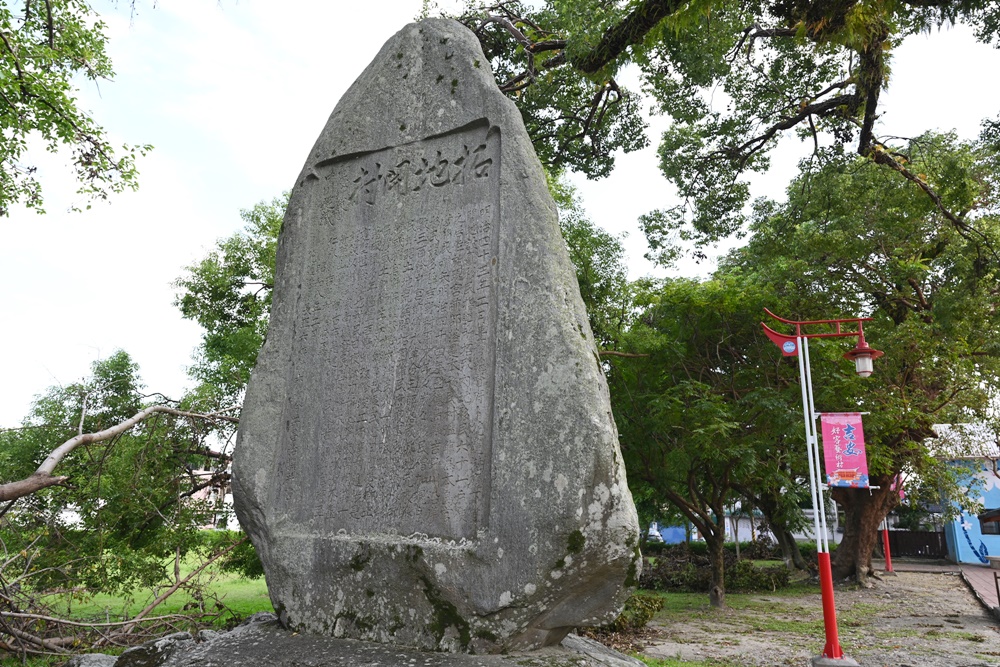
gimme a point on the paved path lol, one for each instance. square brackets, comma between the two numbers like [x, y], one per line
[980, 578]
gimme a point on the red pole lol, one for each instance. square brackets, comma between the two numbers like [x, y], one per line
[832, 649]
[885, 547]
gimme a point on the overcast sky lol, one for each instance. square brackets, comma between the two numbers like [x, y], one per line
[232, 96]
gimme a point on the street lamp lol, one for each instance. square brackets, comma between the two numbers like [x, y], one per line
[862, 356]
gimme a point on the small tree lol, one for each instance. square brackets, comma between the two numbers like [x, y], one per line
[228, 293]
[100, 493]
[694, 406]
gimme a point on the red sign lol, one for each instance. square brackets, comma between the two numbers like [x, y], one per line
[787, 344]
[844, 449]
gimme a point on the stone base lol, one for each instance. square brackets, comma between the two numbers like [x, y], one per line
[262, 642]
[823, 661]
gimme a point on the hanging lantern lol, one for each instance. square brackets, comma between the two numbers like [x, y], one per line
[863, 356]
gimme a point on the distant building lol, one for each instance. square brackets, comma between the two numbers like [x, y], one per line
[217, 496]
[972, 449]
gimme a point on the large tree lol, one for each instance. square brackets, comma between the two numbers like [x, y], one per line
[700, 407]
[46, 48]
[855, 241]
[733, 75]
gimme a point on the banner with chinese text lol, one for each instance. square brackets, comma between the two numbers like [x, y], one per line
[844, 449]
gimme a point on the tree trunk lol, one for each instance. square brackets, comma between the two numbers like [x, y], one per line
[775, 518]
[790, 553]
[716, 555]
[735, 523]
[864, 510]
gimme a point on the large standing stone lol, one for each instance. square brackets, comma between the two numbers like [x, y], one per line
[427, 455]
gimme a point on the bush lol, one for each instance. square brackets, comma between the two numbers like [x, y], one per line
[639, 610]
[761, 549]
[653, 548]
[745, 577]
[808, 551]
[678, 568]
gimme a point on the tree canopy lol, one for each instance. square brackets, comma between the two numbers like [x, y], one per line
[853, 240]
[700, 408]
[228, 293]
[122, 507]
[45, 49]
[733, 75]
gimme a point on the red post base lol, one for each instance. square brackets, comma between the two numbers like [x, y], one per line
[885, 550]
[832, 649]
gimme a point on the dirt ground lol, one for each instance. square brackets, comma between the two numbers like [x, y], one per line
[913, 619]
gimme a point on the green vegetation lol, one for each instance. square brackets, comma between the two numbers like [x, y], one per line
[639, 609]
[816, 69]
[228, 293]
[239, 597]
[125, 531]
[231, 599]
[47, 49]
[669, 662]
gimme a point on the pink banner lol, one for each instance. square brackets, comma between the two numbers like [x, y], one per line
[844, 449]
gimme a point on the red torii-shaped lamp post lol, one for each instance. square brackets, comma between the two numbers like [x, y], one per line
[862, 356]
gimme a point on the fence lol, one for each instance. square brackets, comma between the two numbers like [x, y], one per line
[917, 543]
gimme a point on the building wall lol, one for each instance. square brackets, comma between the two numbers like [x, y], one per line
[966, 542]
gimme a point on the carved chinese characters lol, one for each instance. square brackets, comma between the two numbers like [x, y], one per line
[411, 331]
[419, 169]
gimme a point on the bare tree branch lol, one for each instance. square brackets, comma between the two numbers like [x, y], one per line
[178, 582]
[43, 477]
[631, 30]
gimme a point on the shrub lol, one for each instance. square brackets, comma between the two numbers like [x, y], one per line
[678, 568]
[639, 610]
[745, 577]
[760, 549]
[763, 548]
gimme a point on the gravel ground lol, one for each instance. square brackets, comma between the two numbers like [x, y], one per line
[913, 619]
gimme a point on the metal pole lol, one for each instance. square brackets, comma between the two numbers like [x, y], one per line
[808, 420]
[885, 546]
[832, 648]
[814, 445]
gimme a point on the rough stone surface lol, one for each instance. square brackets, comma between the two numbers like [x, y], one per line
[92, 660]
[155, 652]
[427, 455]
[267, 644]
[599, 653]
[821, 661]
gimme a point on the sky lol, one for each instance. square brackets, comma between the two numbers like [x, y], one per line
[232, 96]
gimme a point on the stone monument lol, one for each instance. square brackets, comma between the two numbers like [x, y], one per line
[427, 455]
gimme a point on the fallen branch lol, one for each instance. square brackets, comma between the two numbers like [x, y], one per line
[93, 624]
[178, 583]
[43, 477]
[52, 645]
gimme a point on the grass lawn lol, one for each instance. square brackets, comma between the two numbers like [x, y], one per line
[654, 662]
[241, 597]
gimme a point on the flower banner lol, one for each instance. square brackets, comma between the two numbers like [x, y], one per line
[844, 449]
